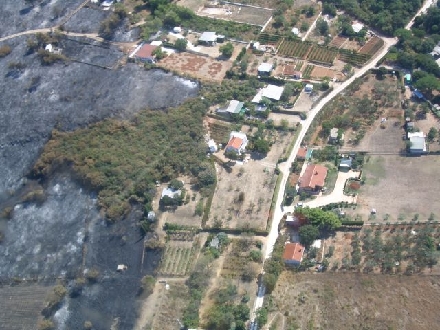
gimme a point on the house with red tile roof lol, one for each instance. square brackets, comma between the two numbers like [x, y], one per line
[144, 53]
[289, 71]
[237, 143]
[313, 179]
[293, 254]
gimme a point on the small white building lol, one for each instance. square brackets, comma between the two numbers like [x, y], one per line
[171, 193]
[295, 31]
[264, 69]
[357, 27]
[212, 146]
[208, 38]
[177, 29]
[308, 88]
[417, 143]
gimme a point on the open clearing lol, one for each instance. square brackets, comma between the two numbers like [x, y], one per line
[256, 179]
[240, 14]
[355, 301]
[197, 66]
[21, 306]
[400, 186]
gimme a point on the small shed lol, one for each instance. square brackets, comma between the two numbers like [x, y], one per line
[121, 268]
[208, 38]
[295, 31]
[177, 29]
[215, 243]
[308, 88]
[151, 216]
[264, 69]
[212, 146]
[345, 164]
[407, 78]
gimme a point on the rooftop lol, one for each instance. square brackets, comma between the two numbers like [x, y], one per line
[293, 251]
[302, 152]
[334, 132]
[289, 70]
[208, 37]
[417, 143]
[313, 177]
[270, 91]
[265, 67]
[235, 142]
[233, 107]
[171, 193]
[345, 162]
[357, 27]
[145, 51]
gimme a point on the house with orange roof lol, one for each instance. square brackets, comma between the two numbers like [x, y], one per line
[313, 179]
[293, 254]
[301, 154]
[237, 143]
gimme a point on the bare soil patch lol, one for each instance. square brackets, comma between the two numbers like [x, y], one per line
[337, 42]
[240, 14]
[320, 72]
[197, 66]
[353, 301]
[400, 186]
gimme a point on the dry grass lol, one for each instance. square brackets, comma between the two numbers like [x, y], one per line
[355, 302]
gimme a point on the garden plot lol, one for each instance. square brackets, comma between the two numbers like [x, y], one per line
[320, 72]
[240, 14]
[244, 193]
[372, 46]
[337, 42]
[356, 301]
[197, 66]
[400, 187]
[178, 257]
[21, 306]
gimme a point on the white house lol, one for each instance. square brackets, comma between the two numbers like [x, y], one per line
[237, 143]
[417, 143]
[171, 193]
[272, 92]
[208, 38]
[357, 27]
[264, 69]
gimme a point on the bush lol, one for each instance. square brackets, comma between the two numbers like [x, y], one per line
[46, 325]
[227, 49]
[5, 50]
[147, 284]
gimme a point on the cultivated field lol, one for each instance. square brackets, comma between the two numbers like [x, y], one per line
[254, 181]
[355, 302]
[197, 66]
[21, 306]
[320, 72]
[179, 256]
[400, 186]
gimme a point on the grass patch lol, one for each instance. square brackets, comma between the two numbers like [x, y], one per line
[330, 180]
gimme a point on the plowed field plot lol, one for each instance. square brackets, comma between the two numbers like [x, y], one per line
[355, 301]
[240, 14]
[201, 67]
[372, 46]
[337, 42]
[21, 306]
[320, 72]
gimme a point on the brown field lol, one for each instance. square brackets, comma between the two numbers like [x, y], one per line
[337, 42]
[21, 306]
[372, 46]
[256, 179]
[197, 66]
[400, 186]
[355, 301]
[240, 14]
[320, 72]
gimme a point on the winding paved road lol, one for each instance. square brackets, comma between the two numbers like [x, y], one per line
[284, 167]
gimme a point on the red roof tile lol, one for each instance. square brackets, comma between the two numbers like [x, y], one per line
[293, 251]
[302, 152]
[289, 70]
[235, 143]
[145, 51]
[314, 176]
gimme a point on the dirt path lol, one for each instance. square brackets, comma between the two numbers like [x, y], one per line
[312, 27]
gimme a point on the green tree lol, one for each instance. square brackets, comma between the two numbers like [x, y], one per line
[326, 220]
[262, 146]
[181, 44]
[308, 234]
[159, 53]
[427, 84]
[175, 184]
[432, 134]
[322, 27]
[227, 49]
[269, 281]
